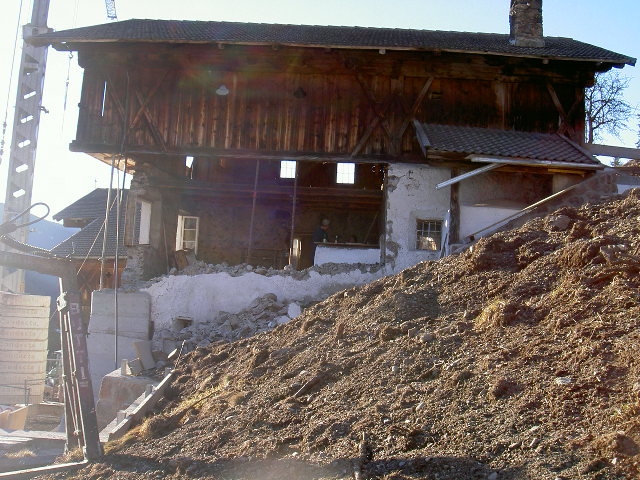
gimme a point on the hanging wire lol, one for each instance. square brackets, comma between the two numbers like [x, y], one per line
[11, 226]
[66, 92]
[95, 240]
[67, 81]
[13, 60]
[93, 244]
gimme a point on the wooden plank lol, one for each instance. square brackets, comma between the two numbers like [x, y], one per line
[613, 151]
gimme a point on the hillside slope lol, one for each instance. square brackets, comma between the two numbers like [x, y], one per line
[517, 359]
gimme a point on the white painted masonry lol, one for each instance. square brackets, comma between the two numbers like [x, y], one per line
[203, 297]
[412, 195]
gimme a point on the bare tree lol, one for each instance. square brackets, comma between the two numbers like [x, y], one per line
[606, 111]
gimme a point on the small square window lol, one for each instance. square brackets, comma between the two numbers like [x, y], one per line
[429, 234]
[288, 169]
[346, 173]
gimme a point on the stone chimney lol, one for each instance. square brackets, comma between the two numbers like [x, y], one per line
[525, 23]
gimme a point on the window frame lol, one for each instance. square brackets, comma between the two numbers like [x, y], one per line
[429, 230]
[289, 167]
[143, 212]
[180, 234]
[347, 177]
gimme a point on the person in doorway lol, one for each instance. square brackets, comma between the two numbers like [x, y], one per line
[322, 232]
[320, 235]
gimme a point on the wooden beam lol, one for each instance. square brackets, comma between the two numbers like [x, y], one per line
[564, 126]
[613, 151]
[410, 114]
[378, 119]
[144, 111]
[103, 153]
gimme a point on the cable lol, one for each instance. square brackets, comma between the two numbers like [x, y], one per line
[66, 85]
[10, 225]
[95, 240]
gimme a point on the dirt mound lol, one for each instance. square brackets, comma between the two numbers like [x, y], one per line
[516, 359]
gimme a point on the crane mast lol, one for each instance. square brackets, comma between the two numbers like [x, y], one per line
[80, 416]
[24, 139]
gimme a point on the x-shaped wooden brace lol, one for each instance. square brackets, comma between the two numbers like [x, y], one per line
[142, 110]
[564, 126]
[380, 115]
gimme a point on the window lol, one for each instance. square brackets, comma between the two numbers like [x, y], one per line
[288, 169]
[429, 234]
[346, 173]
[143, 212]
[187, 235]
[188, 163]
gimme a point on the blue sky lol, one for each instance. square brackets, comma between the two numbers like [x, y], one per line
[61, 177]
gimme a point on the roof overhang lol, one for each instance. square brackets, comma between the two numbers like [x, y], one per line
[328, 37]
[504, 147]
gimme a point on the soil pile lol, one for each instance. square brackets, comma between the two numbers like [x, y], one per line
[516, 359]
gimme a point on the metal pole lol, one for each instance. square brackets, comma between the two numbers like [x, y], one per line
[106, 224]
[293, 213]
[253, 210]
[115, 265]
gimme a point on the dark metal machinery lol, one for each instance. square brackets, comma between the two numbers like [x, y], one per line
[80, 414]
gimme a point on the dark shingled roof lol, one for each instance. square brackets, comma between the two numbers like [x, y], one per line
[183, 31]
[88, 241]
[518, 147]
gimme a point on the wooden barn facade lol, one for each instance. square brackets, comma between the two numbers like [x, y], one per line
[242, 137]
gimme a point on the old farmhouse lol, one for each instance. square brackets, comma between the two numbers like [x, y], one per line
[241, 138]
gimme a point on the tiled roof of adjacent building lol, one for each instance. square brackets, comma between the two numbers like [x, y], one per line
[183, 31]
[88, 241]
[519, 147]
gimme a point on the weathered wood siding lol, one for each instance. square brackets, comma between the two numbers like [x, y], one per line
[308, 100]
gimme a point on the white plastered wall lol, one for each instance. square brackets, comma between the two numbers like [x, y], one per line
[411, 195]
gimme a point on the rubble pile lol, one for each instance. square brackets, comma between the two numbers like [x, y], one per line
[264, 313]
[515, 359]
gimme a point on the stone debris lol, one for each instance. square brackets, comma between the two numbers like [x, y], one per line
[455, 369]
[263, 314]
[199, 267]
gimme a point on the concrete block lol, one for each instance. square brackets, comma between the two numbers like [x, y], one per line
[101, 347]
[17, 418]
[24, 331]
[135, 366]
[4, 419]
[117, 393]
[122, 414]
[134, 314]
[143, 350]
